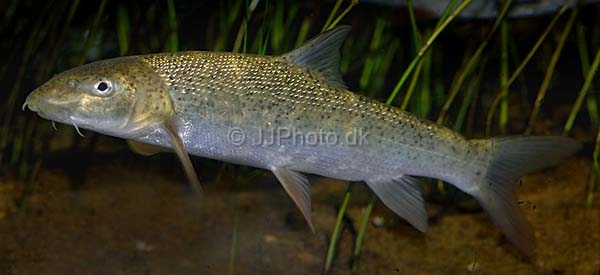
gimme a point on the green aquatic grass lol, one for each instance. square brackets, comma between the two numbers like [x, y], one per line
[592, 107]
[437, 31]
[550, 71]
[264, 32]
[584, 59]
[337, 228]
[13, 134]
[590, 73]
[472, 90]
[416, 40]
[500, 96]
[334, 11]
[61, 36]
[472, 63]
[93, 32]
[241, 39]
[335, 22]
[234, 238]
[17, 135]
[377, 62]
[362, 229]
[173, 40]
[123, 29]
[332, 20]
[593, 183]
[504, 67]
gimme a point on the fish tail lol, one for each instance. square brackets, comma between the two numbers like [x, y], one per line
[511, 158]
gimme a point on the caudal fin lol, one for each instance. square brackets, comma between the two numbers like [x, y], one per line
[512, 158]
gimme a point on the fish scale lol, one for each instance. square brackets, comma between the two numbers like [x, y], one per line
[247, 87]
[251, 89]
[192, 102]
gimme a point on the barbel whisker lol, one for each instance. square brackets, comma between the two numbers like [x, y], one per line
[77, 129]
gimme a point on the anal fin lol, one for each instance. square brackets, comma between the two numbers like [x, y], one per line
[403, 196]
[297, 186]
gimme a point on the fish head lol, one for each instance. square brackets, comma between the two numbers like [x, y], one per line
[118, 97]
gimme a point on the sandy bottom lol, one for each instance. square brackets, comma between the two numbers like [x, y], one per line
[134, 217]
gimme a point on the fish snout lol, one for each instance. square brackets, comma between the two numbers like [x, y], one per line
[48, 104]
[31, 102]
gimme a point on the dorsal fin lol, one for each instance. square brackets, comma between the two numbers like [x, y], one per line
[322, 54]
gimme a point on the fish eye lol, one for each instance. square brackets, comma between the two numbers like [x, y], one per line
[103, 87]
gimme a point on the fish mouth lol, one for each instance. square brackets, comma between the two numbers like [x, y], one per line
[42, 107]
[50, 109]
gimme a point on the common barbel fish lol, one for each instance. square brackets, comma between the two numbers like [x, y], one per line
[293, 114]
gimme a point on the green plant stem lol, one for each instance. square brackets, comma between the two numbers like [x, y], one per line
[412, 85]
[123, 29]
[234, 240]
[550, 71]
[582, 93]
[522, 65]
[446, 12]
[93, 30]
[41, 27]
[503, 117]
[417, 44]
[364, 221]
[413, 24]
[472, 88]
[372, 61]
[61, 36]
[584, 58]
[341, 16]
[337, 229]
[173, 40]
[242, 34]
[424, 49]
[332, 14]
[264, 33]
[470, 66]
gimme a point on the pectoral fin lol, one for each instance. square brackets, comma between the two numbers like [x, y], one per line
[145, 149]
[403, 196]
[184, 158]
[297, 186]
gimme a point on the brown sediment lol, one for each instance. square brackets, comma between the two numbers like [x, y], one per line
[132, 218]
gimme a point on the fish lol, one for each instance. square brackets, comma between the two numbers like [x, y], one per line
[293, 114]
